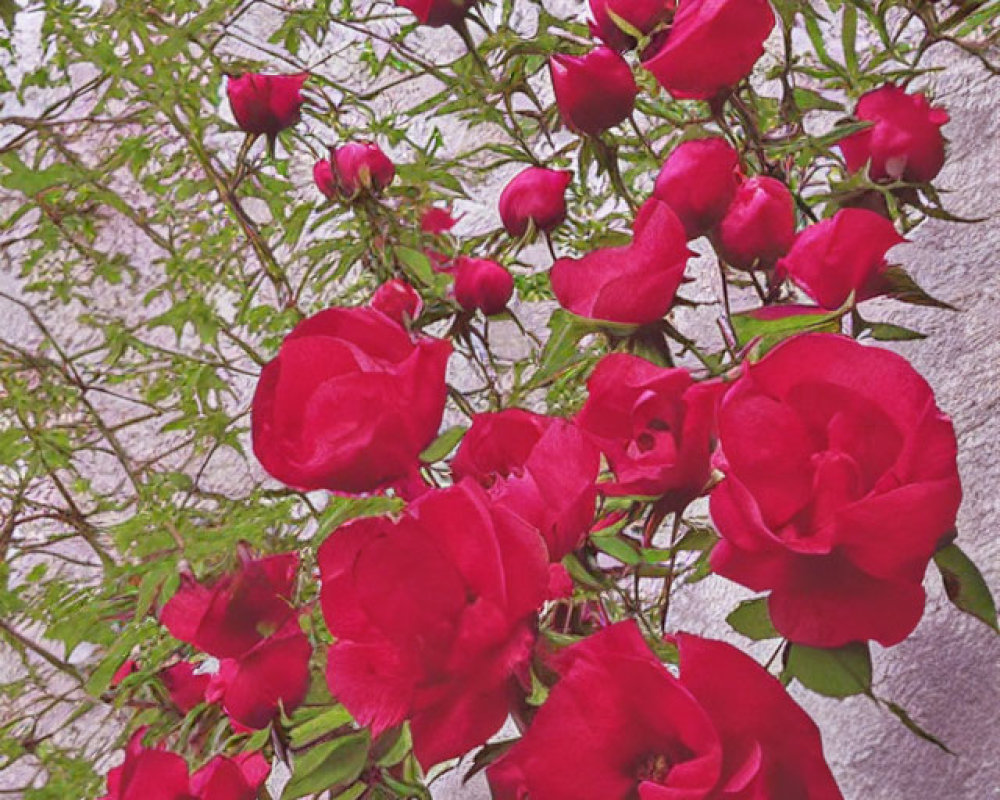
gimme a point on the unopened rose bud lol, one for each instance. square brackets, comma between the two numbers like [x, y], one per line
[482, 284]
[759, 225]
[641, 15]
[595, 91]
[398, 300]
[536, 195]
[361, 167]
[437, 13]
[698, 181]
[266, 104]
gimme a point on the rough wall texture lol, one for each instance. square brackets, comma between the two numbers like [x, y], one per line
[946, 673]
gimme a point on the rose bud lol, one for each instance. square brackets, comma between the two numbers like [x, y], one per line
[710, 47]
[398, 300]
[324, 178]
[482, 284]
[905, 141]
[438, 13]
[759, 225]
[361, 167]
[655, 427]
[433, 614]
[842, 254]
[147, 773]
[436, 220]
[536, 195]
[542, 468]
[642, 15]
[266, 104]
[388, 390]
[185, 687]
[238, 778]
[595, 91]
[840, 484]
[630, 285]
[618, 724]
[698, 181]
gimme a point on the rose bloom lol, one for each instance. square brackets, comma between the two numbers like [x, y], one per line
[349, 402]
[842, 254]
[654, 425]
[631, 285]
[840, 483]
[398, 300]
[617, 725]
[535, 195]
[433, 614]
[437, 13]
[758, 228]
[643, 15]
[266, 104]
[594, 91]
[185, 687]
[698, 181]
[905, 141]
[710, 47]
[353, 169]
[542, 468]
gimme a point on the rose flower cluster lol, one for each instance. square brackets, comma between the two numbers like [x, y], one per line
[829, 470]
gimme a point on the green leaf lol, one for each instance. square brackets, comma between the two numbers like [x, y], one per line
[763, 323]
[417, 264]
[318, 726]
[887, 332]
[752, 619]
[837, 672]
[902, 287]
[446, 441]
[561, 350]
[617, 547]
[328, 765]
[964, 584]
[8, 10]
[486, 755]
[900, 713]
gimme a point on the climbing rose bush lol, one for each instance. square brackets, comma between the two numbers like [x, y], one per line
[439, 367]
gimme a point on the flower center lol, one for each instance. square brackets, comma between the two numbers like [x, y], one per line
[654, 768]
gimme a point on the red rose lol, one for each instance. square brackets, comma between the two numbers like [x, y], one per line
[759, 225]
[536, 195]
[618, 726]
[541, 468]
[631, 285]
[698, 181]
[437, 220]
[186, 689]
[840, 255]
[349, 402]
[595, 91]
[128, 667]
[266, 104]
[654, 425]
[481, 284]
[397, 300]
[148, 774]
[353, 169]
[434, 617]
[840, 484]
[237, 778]
[643, 15]
[438, 13]
[325, 180]
[905, 142]
[711, 46]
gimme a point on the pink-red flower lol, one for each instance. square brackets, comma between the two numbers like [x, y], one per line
[905, 141]
[266, 104]
[840, 255]
[353, 169]
[541, 468]
[594, 91]
[642, 15]
[438, 13]
[758, 228]
[534, 196]
[185, 687]
[481, 284]
[398, 300]
[710, 46]
[634, 284]
[349, 402]
[840, 483]
[433, 613]
[654, 425]
[617, 725]
[437, 220]
[698, 181]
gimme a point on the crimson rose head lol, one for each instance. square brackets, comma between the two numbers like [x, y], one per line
[360, 167]
[536, 195]
[840, 483]
[542, 468]
[842, 254]
[266, 104]
[594, 91]
[617, 725]
[148, 773]
[631, 285]
[433, 614]
[398, 300]
[481, 284]
[642, 15]
[698, 181]
[186, 689]
[654, 425]
[905, 141]
[438, 13]
[710, 47]
[758, 227]
[349, 402]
